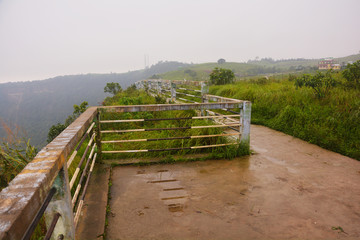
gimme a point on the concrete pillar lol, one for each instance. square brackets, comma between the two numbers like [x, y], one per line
[159, 87]
[245, 120]
[173, 92]
[61, 203]
[204, 91]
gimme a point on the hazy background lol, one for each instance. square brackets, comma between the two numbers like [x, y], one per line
[41, 38]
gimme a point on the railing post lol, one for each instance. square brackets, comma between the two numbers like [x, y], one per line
[245, 120]
[61, 203]
[159, 87]
[173, 91]
[204, 91]
[98, 136]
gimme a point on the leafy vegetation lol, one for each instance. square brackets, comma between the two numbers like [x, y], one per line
[133, 96]
[352, 75]
[221, 76]
[15, 153]
[321, 83]
[55, 130]
[112, 88]
[332, 122]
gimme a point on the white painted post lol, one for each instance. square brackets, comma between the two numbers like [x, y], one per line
[204, 91]
[159, 87]
[245, 120]
[173, 91]
[61, 203]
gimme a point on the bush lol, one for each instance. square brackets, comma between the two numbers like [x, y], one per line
[221, 76]
[321, 83]
[352, 74]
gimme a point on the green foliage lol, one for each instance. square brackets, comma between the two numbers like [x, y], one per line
[112, 88]
[56, 129]
[292, 77]
[13, 158]
[332, 122]
[141, 97]
[352, 74]
[221, 76]
[321, 83]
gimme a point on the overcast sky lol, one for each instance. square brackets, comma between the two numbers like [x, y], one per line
[46, 38]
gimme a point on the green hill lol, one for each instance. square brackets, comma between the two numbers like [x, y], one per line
[263, 66]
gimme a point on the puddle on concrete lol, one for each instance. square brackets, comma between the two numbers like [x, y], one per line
[176, 207]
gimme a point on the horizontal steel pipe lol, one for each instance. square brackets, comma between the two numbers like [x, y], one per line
[170, 149]
[166, 119]
[170, 107]
[176, 128]
[170, 138]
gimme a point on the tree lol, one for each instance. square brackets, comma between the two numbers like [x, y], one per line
[352, 74]
[55, 130]
[321, 83]
[221, 76]
[112, 88]
[221, 61]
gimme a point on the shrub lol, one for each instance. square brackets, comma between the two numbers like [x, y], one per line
[221, 76]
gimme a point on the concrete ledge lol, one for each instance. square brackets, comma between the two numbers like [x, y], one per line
[21, 200]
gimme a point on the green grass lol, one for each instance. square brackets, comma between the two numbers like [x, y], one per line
[332, 122]
[140, 97]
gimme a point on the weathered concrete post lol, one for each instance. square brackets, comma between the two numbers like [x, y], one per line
[149, 85]
[173, 91]
[204, 91]
[61, 203]
[245, 120]
[159, 87]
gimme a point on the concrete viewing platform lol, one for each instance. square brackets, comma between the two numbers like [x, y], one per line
[288, 189]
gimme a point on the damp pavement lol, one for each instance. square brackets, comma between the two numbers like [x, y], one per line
[288, 189]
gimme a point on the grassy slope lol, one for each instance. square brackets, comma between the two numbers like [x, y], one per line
[332, 123]
[247, 69]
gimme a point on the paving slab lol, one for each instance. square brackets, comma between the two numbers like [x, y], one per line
[288, 189]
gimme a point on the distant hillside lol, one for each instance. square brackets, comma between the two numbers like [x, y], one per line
[35, 106]
[252, 68]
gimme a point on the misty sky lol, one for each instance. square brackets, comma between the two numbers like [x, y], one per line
[45, 38]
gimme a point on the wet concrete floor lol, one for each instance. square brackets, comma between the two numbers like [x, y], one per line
[288, 189]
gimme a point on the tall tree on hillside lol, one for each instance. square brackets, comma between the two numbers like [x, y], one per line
[221, 61]
[112, 88]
